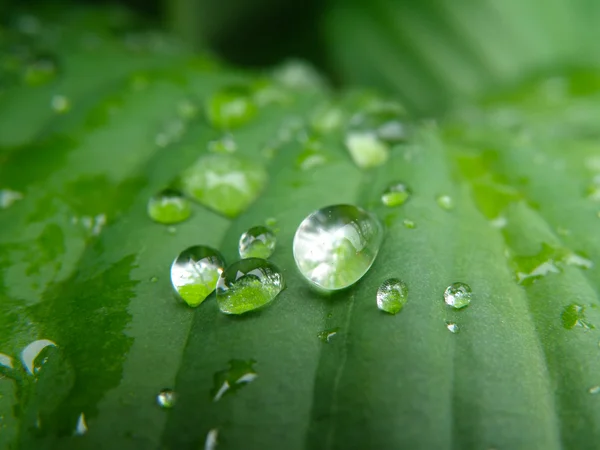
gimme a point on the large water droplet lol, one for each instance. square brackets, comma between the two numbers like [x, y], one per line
[257, 242]
[336, 245]
[395, 194]
[169, 206]
[166, 398]
[458, 295]
[573, 316]
[195, 273]
[327, 335]
[41, 70]
[392, 296]
[231, 107]
[247, 285]
[230, 380]
[224, 183]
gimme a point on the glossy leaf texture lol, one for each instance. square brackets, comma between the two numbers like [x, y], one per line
[85, 272]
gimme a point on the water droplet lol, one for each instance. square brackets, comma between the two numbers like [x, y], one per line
[298, 75]
[60, 104]
[257, 242]
[594, 390]
[166, 398]
[211, 439]
[366, 149]
[445, 202]
[171, 132]
[153, 279]
[310, 158]
[452, 327]
[8, 197]
[383, 120]
[499, 222]
[169, 206]
[327, 118]
[225, 145]
[41, 70]
[81, 428]
[458, 295]
[573, 259]
[6, 361]
[195, 272]
[171, 230]
[395, 194]
[271, 222]
[409, 224]
[327, 335]
[336, 245]
[231, 107]
[32, 351]
[573, 316]
[247, 285]
[392, 296]
[230, 380]
[224, 183]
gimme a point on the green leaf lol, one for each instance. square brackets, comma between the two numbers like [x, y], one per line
[84, 272]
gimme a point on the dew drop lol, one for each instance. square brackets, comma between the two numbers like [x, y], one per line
[166, 398]
[445, 202]
[366, 149]
[169, 206]
[41, 70]
[395, 194]
[298, 75]
[327, 118]
[153, 279]
[271, 222]
[310, 158]
[594, 390]
[231, 107]
[336, 245]
[573, 316]
[8, 197]
[326, 335]
[247, 285]
[81, 428]
[383, 120]
[60, 104]
[257, 242]
[237, 375]
[224, 183]
[458, 295]
[225, 145]
[195, 272]
[392, 296]
[409, 224]
[452, 327]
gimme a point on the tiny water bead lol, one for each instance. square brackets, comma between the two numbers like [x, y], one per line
[573, 316]
[195, 272]
[169, 206]
[445, 202]
[166, 398]
[231, 107]
[452, 327]
[247, 285]
[224, 183]
[458, 295]
[336, 245]
[326, 335]
[257, 242]
[395, 194]
[409, 224]
[392, 296]
[237, 375]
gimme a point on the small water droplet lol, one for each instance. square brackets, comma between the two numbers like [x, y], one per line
[6, 361]
[336, 245]
[169, 206]
[499, 222]
[327, 335]
[231, 107]
[392, 296]
[298, 75]
[257, 242]
[230, 380]
[225, 145]
[60, 104]
[383, 120]
[81, 428]
[8, 197]
[452, 327]
[395, 194]
[445, 202]
[366, 149]
[171, 132]
[409, 224]
[327, 118]
[224, 183]
[573, 316]
[166, 398]
[195, 272]
[458, 295]
[153, 279]
[271, 222]
[311, 156]
[594, 390]
[171, 230]
[247, 285]
[40, 70]
[211, 439]
[32, 351]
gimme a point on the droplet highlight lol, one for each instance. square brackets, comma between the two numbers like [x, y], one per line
[166, 398]
[257, 242]
[239, 374]
[326, 335]
[458, 295]
[395, 194]
[392, 296]
[452, 327]
[195, 272]
[169, 206]
[9, 197]
[335, 246]
[248, 285]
